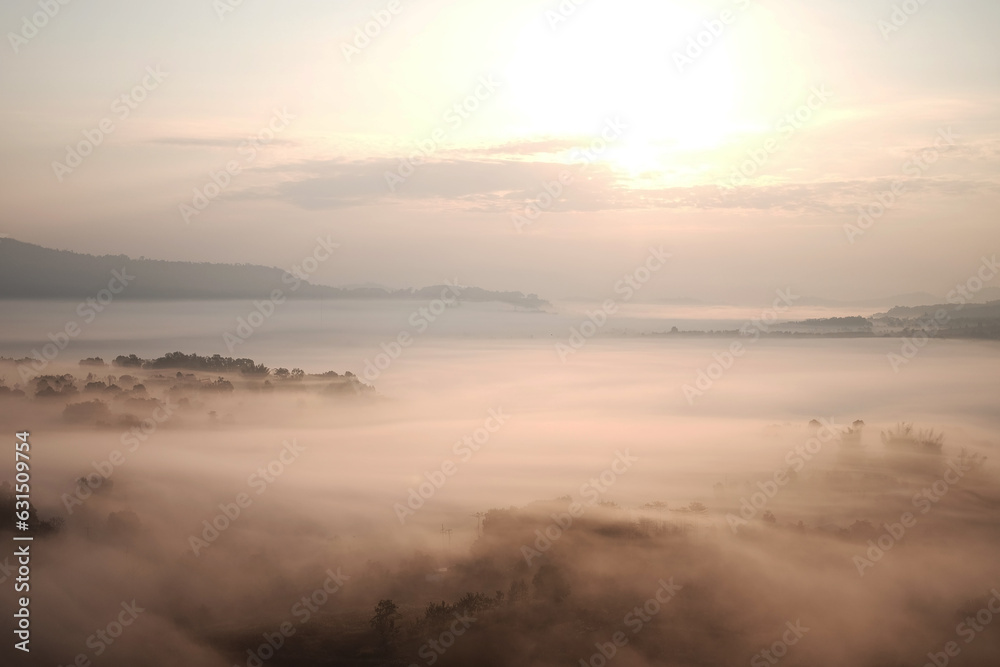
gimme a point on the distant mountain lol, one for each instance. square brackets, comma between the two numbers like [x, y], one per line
[29, 271]
[854, 324]
[978, 312]
[909, 299]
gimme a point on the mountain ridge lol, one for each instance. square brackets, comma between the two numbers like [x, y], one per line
[30, 271]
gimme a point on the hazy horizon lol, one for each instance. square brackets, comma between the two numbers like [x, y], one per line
[822, 306]
[917, 104]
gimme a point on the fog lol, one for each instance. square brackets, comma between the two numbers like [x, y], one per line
[750, 523]
[536, 333]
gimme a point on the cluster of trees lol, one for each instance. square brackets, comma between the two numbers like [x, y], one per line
[194, 362]
[51, 386]
[6, 391]
[64, 386]
[215, 363]
[386, 619]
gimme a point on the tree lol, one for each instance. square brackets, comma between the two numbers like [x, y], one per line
[131, 361]
[436, 612]
[384, 621]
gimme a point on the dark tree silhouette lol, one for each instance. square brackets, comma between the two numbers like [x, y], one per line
[384, 622]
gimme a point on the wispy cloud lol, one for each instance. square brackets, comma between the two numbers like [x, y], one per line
[500, 186]
[211, 142]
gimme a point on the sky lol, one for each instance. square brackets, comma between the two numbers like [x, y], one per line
[530, 145]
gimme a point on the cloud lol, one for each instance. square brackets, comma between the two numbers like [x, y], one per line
[501, 185]
[526, 148]
[507, 185]
[213, 142]
[835, 196]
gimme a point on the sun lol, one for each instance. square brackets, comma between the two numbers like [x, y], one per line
[614, 60]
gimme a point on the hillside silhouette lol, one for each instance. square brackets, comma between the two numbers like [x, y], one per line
[29, 271]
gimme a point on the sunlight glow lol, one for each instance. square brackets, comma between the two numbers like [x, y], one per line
[604, 62]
